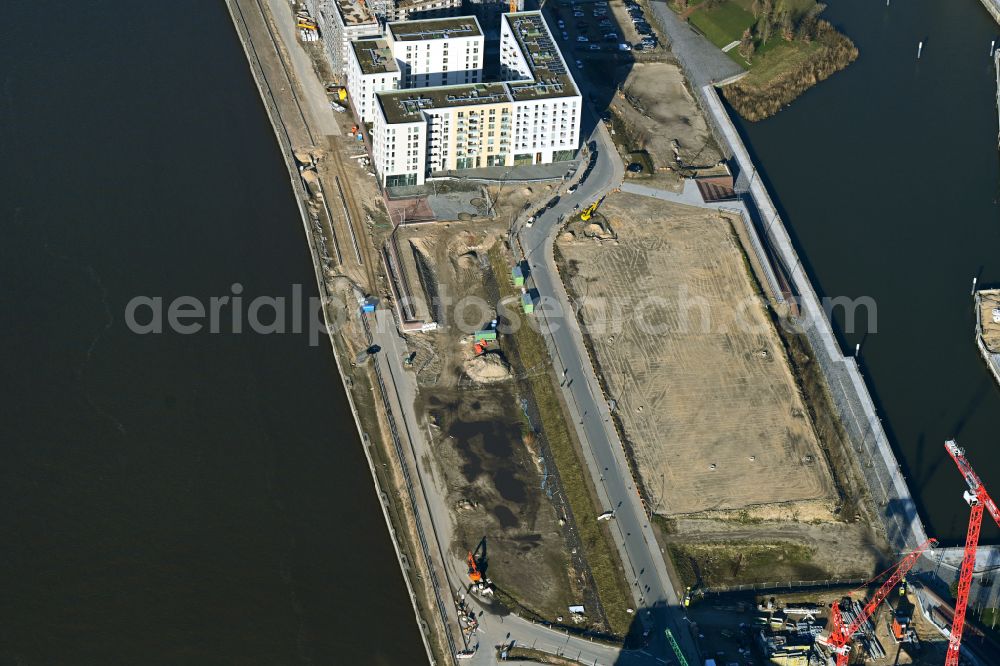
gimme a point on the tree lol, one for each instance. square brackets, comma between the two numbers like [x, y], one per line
[747, 45]
[755, 8]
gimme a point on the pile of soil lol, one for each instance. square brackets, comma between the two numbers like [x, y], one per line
[487, 369]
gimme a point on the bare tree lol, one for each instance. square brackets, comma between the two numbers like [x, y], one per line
[747, 45]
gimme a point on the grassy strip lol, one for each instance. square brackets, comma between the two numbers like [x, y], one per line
[718, 564]
[603, 562]
[519, 653]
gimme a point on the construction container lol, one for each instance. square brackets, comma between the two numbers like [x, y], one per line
[527, 304]
[517, 275]
[484, 336]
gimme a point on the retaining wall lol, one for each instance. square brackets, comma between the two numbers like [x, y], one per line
[850, 394]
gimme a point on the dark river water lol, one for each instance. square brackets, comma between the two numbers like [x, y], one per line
[174, 499]
[887, 174]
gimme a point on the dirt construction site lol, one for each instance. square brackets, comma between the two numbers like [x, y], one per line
[709, 408]
[654, 114]
[501, 490]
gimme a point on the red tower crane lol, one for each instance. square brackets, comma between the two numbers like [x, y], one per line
[978, 499]
[839, 639]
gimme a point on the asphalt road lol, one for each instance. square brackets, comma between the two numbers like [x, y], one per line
[655, 594]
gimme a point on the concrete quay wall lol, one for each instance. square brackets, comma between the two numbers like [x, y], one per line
[854, 404]
[271, 107]
[993, 7]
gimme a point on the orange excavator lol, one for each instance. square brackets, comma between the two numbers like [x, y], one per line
[475, 575]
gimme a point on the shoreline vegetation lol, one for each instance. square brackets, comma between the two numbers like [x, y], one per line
[784, 45]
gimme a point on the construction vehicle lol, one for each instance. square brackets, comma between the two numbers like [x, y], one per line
[839, 638]
[512, 5]
[475, 575]
[977, 499]
[591, 209]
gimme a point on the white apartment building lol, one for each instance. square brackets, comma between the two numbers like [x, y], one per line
[532, 117]
[341, 22]
[546, 102]
[371, 68]
[437, 52]
[399, 148]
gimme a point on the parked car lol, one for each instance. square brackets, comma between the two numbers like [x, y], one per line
[634, 167]
[565, 35]
[582, 38]
[562, 24]
[595, 47]
[611, 37]
[606, 23]
[578, 14]
[622, 46]
[579, 64]
[572, 189]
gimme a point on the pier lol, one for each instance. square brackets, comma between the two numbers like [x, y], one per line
[988, 329]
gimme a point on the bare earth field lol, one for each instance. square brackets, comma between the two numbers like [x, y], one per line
[485, 461]
[704, 393]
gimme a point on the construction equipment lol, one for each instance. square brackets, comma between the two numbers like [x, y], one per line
[591, 209]
[512, 5]
[839, 639]
[675, 647]
[978, 499]
[475, 575]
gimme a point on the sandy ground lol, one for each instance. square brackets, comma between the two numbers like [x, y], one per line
[988, 300]
[655, 112]
[706, 397]
[490, 469]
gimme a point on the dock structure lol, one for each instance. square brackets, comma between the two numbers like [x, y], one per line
[988, 329]
[996, 62]
[993, 7]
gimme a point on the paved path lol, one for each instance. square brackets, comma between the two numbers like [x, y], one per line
[703, 61]
[655, 594]
[314, 100]
[435, 516]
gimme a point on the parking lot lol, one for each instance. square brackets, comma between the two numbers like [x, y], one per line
[590, 28]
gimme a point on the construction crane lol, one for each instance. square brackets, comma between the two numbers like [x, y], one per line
[978, 499]
[590, 210]
[839, 639]
[675, 647]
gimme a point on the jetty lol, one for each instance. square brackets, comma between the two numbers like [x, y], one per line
[988, 329]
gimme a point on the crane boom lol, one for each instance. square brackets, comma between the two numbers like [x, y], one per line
[978, 500]
[840, 636]
[675, 647]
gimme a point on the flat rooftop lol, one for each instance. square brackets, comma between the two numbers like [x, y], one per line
[439, 28]
[551, 78]
[374, 56]
[407, 106]
[353, 12]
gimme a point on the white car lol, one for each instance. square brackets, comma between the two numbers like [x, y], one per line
[579, 64]
[582, 38]
[565, 35]
[624, 47]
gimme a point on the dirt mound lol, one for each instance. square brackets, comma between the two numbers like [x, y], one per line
[487, 369]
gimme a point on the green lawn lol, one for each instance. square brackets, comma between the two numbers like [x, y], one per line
[722, 25]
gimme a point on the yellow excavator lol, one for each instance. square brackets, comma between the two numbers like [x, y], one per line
[590, 210]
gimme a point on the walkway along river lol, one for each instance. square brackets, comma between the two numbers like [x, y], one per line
[167, 498]
[887, 178]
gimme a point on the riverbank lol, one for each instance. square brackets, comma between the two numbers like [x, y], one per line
[784, 46]
[320, 256]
